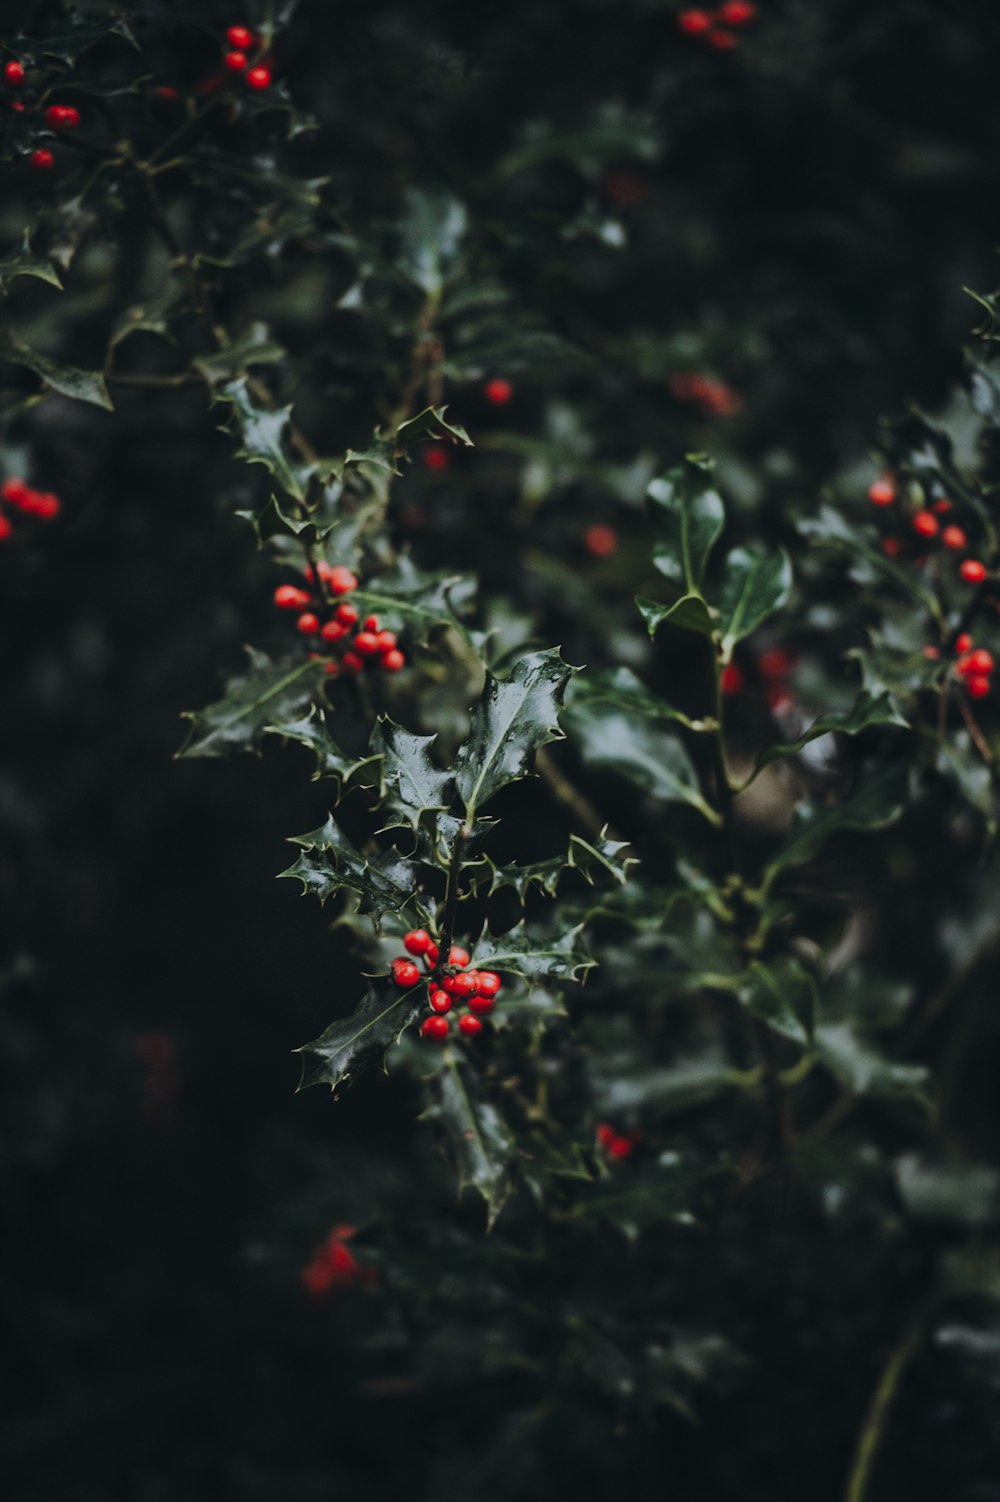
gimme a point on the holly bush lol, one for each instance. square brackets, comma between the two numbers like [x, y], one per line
[476, 416]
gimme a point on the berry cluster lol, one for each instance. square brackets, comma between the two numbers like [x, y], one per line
[358, 642]
[718, 28]
[774, 668]
[334, 1265]
[448, 984]
[712, 398]
[927, 525]
[58, 117]
[17, 493]
[241, 42]
[616, 1145]
[974, 665]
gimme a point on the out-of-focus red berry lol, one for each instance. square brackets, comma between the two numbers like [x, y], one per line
[600, 540]
[731, 679]
[972, 571]
[954, 538]
[13, 73]
[498, 392]
[925, 524]
[882, 492]
[436, 457]
[259, 78]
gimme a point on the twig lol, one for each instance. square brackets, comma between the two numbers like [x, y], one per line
[873, 1428]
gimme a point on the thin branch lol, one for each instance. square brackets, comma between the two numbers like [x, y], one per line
[876, 1418]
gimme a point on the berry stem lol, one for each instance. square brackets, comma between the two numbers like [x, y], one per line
[451, 901]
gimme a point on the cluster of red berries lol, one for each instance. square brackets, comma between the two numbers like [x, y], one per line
[774, 668]
[334, 1265]
[617, 1145]
[17, 493]
[241, 42]
[713, 398]
[974, 665]
[58, 117]
[718, 28]
[928, 527]
[477, 989]
[358, 642]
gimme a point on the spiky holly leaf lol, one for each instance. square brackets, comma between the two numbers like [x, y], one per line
[687, 514]
[480, 1142]
[413, 784]
[25, 263]
[513, 718]
[592, 859]
[534, 955]
[263, 437]
[409, 600]
[329, 864]
[359, 1042]
[615, 740]
[313, 731]
[623, 689]
[867, 711]
[782, 995]
[253, 701]
[80, 385]
[254, 347]
[755, 584]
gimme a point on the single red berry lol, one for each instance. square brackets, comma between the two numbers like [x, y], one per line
[731, 680]
[482, 1005]
[317, 1278]
[488, 983]
[980, 661]
[431, 957]
[436, 457]
[167, 92]
[498, 392]
[972, 571]
[62, 117]
[19, 105]
[963, 643]
[775, 663]
[931, 653]
[241, 37]
[393, 661]
[385, 640]
[605, 1133]
[259, 78]
[405, 972]
[287, 597]
[943, 506]
[352, 663]
[5, 528]
[459, 986]
[435, 1027]
[619, 1147]
[925, 524]
[954, 538]
[600, 540]
[737, 12]
[332, 631]
[458, 956]
[13, 73]
[370, 623]
[366, 643]
[346, 615]
[977, 686]
[14, 490]
[46, 505]
[42, 160]
[440, 1001]
[417, 941]
[308, 623]
[882, 492]
[342, 581]
[722, 41]
[470, 1026]
[235, 62]
[331, 669]
[694, 23]
[891, 547]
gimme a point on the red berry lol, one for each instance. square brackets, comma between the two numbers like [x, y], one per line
[488, 983]
[431, 957]
[42, 160]
[370, 623]
[287, 597]
[235, 62]
[737, 12]
[366, 643]
[167, 92]
[342, 581]
[62, 117]
[434, 1027]
[45, 505]
[352, 663]
[722, 41]
[942, 506]
[458, 956]
[925, 524]
[333, 631]
[393, 661]
[882, 493]
[972, 571]
[385, 640]
[605, 1133]
[980, 661]
[346, 615]
[459, 986]
[891, 547]
[694, 23]
[417, 941]
[619, 1147]
[470, 1026]
[977, 686]
[963, 643]
[436, 458]
[776, 662]
[241, 37]
[14, 490]
[731, 680]
[259, 78]
[317, 1278]
[600, 540]
[483, 1005]
[308, 623]
[498, 392]
[13, 73]
[405, 972]
[931, 653]
[5, 528]
[331, 670]
[955, 538]
[440, 1001]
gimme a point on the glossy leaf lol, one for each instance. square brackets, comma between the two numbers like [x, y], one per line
[867, 711]
[610, 739]
[687, 514]
[413, 784]
[782, 995]
[263, 437]
[690, 612]
[268, 693]
[313, 730]
[359, 1042]
[875, 804]
[534, 955]
[480, 1142]
[330, 864]
[755, 584]
[25, 263]
[80, 385]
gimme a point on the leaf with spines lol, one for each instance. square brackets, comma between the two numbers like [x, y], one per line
[407, 599]
[254, 347]
[80, 385]
[612, 739]
[756, 582]
[267, 693]
[514, 717]
[330, 864]
[385, 450]
[359, 1042]
[25, 263]
[313, 731]
[535, 956]
[413, 785]
[263, 437]
[591, 859]
[687, 514]
[480, 1142]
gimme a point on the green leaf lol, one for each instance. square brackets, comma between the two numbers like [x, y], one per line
[262, 433]
[409, 600]
[671, 1190]
[514, 717]
[867, 711]
[614, 740]
[782, 995]
[623, 689]
[313, 731]
[755, 584]
[359, 1042]
[862, 1066]
[71, 40]
[252, 703]
[480, 1141]
[689, 612]
[602, 857]
[24, 263]
[687, 516]
[330, 864]
[431, 231]
[430, 424]
[829, 529]
[875, 804]
[68, 380]
[254, 347]
[533, 955]
[413, 783]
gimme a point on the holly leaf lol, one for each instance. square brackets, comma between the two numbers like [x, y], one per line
[622, 689]
[69, 41]
[782, 995]
[861, 1065]
[875, 804]
[867, 711]
[432, 227]
[430, 424]
[254, 347]
[330, 864]
[600, 858]
[480, 1142]
[25, 263]
[80, 385]
[612, 739]
[514, 717]
[687, 516]
[313, 731]
[359, 1042]
[409, 600]
[262, 436]
[755, 584]
[830, 529]
[533, 955]
[690, 613]
[412, 782]
[253, 702]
